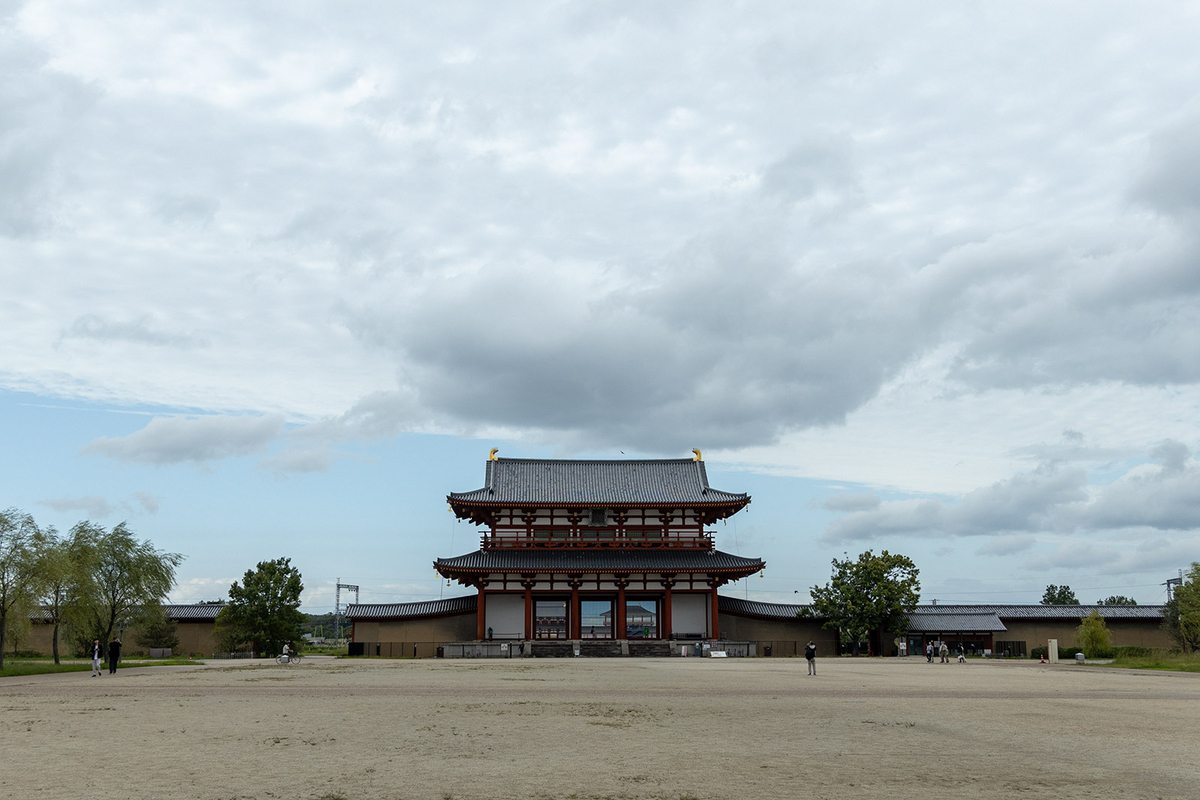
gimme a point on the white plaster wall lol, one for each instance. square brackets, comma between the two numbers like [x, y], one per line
[689, 613]
[505, 615]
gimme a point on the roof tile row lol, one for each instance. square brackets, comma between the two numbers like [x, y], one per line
[516, 481]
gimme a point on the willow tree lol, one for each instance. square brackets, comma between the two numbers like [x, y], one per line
[129, 577]
[62, 580]
[1094, 636]
[16, 569]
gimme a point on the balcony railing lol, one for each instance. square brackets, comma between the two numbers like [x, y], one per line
[597, 538]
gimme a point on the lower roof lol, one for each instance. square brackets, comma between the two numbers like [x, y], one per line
[190, 612]
[924, 616]
[428, 608]
[923, 619]
[194, 611]
[926, 621]
[538, 560]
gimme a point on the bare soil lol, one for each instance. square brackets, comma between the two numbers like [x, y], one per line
[606, 728]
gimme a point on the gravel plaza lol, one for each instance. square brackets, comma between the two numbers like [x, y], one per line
[574, 728]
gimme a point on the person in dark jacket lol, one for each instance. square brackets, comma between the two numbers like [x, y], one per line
[810, 655]
[114, 654]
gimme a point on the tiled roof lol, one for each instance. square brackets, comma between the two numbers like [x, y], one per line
[1038, 611]
[191, 612]
[599, 560]
[197, 611]
[429, 608]
[753, 608]
[927, 615]
[926, 621]
[678, 482]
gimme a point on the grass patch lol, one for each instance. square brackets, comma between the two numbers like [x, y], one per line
[46, 666]
[1166, 660]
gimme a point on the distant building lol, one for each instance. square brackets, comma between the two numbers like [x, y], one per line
[194, 626]
[578, 551]
[620, 551]
[625, 542]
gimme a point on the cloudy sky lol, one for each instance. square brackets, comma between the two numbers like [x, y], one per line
[276, 277]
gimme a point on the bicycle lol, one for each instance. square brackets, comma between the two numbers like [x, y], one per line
[290, 658]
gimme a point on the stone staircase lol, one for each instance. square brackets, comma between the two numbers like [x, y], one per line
[651, 649]
[606, 648]
[600, 649]
[552, 649]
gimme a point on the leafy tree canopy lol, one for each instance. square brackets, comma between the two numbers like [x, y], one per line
[158, 630]
[63, 580]
[264, 609]
[129, 579]
[1182, 617]
[1094, 636]
[1059, 596]
[17, 570]
[876, 592]
[1117, 600]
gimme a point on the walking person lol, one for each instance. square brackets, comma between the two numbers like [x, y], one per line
[810, 655]
[114, 654]
[929, 652]
[944, 652]
[95, 658]
[962, 655]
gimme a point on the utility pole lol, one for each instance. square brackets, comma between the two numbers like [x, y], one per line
[337, 606]
[1173, 582]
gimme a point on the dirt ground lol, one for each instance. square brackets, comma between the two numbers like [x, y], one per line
[606, 728]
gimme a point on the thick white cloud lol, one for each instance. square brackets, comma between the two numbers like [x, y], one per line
[1147, 518]
[899, 247]
[1051, 499]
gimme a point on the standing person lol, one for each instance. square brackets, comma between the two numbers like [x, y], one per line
[929, 652]
[810, 655]
[95, 658]
[962, 655]
[114, 654]
[944, 652]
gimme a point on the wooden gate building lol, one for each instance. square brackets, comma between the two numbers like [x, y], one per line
[596, 549]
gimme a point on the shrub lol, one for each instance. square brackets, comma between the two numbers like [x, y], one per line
[1133, 651]
[1094, 635]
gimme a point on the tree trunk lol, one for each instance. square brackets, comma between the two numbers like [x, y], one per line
[54, 642]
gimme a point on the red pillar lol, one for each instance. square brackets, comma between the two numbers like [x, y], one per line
[528, 610]
[664, 631]
[573, 613]
[716, 621]
[619, 612]
[480, 617]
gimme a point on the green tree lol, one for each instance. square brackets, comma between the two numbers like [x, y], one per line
[16, 570]
[1182, 616]
[129, 578]
[62, 576]
[1094, 636]
[264, 609]
[876, 592]
[1059, 596]
[158, 630]
[1117, 600]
